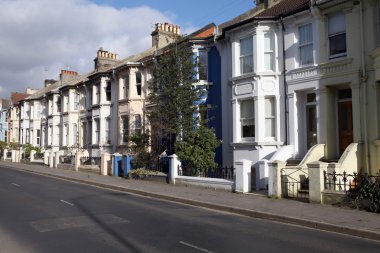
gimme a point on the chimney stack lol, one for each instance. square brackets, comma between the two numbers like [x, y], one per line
[49, 82]
[105, 58]
[67, 75]
[164, 34]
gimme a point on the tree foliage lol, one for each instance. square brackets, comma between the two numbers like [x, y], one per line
[3, 145]
[175, 103]
[173, 95]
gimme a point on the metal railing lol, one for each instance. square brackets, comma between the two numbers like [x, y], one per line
[8, 155]
[295, 185]
[90, 160]
[345, 182]
[67, 159]
[38, 156]
[227, 173]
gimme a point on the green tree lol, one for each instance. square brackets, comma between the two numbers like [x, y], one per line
[139, 147]
[3, 145]
[174, 100]
[173, 95]
[197, 150]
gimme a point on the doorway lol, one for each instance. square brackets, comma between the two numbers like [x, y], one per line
[345, 125]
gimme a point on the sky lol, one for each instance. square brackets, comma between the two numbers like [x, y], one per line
[38, 38]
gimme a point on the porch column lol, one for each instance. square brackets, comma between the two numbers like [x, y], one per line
[356, 113]
[293, 123]
[327, 126]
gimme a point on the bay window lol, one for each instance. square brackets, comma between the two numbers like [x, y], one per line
[268, 51]
[270, 117]
[202, 64]
[246, 55]
[247, 118]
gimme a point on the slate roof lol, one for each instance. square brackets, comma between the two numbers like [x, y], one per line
[284, 8]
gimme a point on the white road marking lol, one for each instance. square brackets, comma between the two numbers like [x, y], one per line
[195, 247]
[63, 201]
[17, 185]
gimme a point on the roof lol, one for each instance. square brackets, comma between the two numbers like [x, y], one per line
[16, 97]
[285, 8]
[282, 8]
[203, 33]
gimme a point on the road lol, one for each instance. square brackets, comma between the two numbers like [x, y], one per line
[42, 214]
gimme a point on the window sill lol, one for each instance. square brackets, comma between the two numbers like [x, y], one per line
[336, 56]
[254, 143]
[244, 76]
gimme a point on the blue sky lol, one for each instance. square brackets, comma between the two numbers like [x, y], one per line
[194, 13]
[39, 38]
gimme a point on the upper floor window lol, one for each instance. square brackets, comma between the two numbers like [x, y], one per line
[66, 106]
[125, 87]
[38, 137]
[305, 44]
[59, 104]
[246, 55]
[76, 101]
[108, 91]
[247, 118]
[97, 94]
[107, 131]
[269, 51]
[202, 64]
[75, 134]
[138, 83]
[337, 35]
[38, 110]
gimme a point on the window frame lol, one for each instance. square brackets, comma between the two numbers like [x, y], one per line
[271, 117]
[245, 56]
[204, 52]
[125, 129]
[243, 119]
[270, 52]
[305, 45]
[138, 124]
[138, 76]
[331, 36]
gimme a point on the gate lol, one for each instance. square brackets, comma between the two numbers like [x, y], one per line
[295, 185]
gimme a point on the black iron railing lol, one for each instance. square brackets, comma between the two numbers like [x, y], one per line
[38, 156]
[227, 173]
[90, 160]
[345, 182]
[67, 159]
[295, 189]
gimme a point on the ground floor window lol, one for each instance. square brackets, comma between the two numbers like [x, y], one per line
[270, 117]
[247, 118]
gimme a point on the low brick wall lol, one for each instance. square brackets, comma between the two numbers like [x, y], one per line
[333, 197]
[211, 183]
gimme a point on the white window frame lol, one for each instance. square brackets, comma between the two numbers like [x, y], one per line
[200, 65]
[75, 133]
[243, 119]
[76, 100]
[245, 56]
[269, 51]
[333, 35]
[271, 117]
[138, 124]
[107, 137]
[305, 44]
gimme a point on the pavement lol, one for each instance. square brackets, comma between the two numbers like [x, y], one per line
[323, 217]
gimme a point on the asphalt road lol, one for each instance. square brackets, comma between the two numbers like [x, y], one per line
[41, 214]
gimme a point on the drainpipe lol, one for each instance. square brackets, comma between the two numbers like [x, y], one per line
[285, 84]
[363, 80]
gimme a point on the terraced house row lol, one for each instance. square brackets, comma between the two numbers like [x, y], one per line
[291, 80]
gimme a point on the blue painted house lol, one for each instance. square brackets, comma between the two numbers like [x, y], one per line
[209, 65]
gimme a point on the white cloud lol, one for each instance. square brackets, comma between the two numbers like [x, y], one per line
[39, 38]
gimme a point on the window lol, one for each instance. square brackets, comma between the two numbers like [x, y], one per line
[90, 102]
[108, 91]
[378, 23]
[38, 110]
[270, 117]
[125, 133]
[107, 132]
[27, 136]
[137, 124]
[59, 108]
[246, 55]
[138, 83]
[66, 135]
[247, 118]
[6, 136]
[75, 134]
[38, 137]
[76, 101]
[66, 106]
[97, 94]
[50, 133]
[337, 35]
[305, 45]
[125, 87]
[202, 64]
[268, 51]
[31, 112]
[97, 131]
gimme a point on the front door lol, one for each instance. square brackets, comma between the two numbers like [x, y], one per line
[345, 125]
